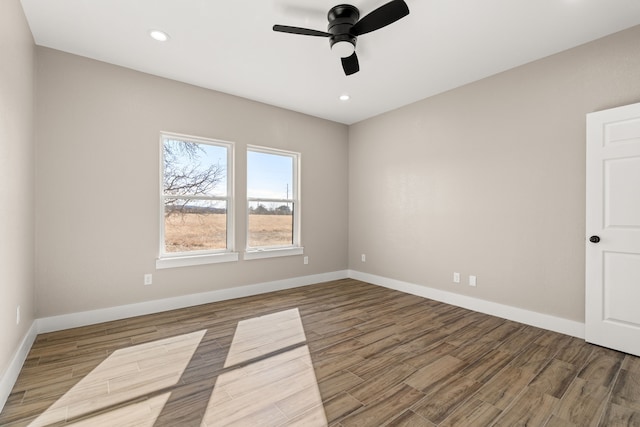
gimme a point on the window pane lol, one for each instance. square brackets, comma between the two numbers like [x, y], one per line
[194, 225]
[194, 169]
[269, 176]
[270, 224]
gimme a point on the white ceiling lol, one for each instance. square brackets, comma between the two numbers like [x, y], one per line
[230, 47]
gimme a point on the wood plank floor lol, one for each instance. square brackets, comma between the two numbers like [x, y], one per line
[343, 353]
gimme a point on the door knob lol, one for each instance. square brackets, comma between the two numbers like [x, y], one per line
[594, 239]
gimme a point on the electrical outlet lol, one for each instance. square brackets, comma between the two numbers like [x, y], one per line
[456, 277]
[148, 279]
[18, 315]
[364, 258]
[472, 280]
[306, 260]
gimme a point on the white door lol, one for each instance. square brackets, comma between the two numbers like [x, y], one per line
[613, 229]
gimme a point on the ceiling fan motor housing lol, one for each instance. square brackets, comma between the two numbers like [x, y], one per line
[341, 19]
[345, 26]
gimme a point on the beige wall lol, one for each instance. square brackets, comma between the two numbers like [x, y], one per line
[97, 163]
[16, 175]
[489, 180]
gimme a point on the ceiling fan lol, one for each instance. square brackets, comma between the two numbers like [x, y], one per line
[345, 27]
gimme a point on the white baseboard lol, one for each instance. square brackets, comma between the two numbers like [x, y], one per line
[84, 318]
[9, 377]
[74, 320]
[540, 320]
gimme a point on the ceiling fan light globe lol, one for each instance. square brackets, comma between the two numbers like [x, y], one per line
[343, 49]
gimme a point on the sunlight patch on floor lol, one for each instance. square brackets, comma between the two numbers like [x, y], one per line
[276, 386]
[141, 414]
[124, 376]
[263, 335]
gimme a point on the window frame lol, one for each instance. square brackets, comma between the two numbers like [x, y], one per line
[180, 259]
[296, 247]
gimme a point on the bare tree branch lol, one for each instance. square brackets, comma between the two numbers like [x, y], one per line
[185, 176]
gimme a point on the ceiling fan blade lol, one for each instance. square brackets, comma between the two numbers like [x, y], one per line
[301, 31]
[381, 17]
[350, 64]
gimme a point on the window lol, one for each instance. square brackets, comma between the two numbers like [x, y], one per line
[196, 201]
[273, 203]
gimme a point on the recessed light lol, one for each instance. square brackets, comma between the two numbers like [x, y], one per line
[344, 97]
[161, 36]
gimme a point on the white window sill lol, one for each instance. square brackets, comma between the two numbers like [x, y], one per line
[185, 261]
[272, 253]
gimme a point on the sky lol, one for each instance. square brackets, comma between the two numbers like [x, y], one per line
[269, 176]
